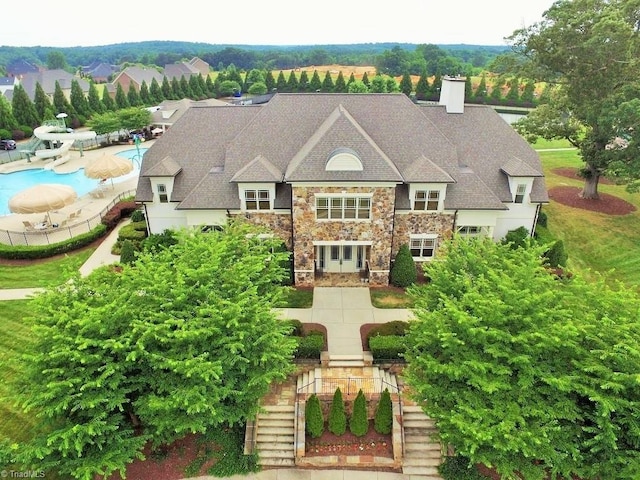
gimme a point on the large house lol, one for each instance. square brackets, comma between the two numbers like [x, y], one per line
[346, 179]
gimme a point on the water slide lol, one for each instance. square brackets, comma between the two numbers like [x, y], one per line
[63, 137]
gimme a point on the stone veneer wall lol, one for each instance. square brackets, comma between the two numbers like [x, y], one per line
[420, 223]
[378, 230]
[279, 224]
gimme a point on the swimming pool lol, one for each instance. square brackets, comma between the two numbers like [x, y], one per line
[12, 183]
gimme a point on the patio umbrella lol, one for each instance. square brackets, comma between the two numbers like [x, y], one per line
[108, 166]
[42, 199]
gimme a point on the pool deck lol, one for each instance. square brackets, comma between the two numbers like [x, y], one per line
[88, 205]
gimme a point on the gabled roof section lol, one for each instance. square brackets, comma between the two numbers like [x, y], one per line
[258, 170]
[337, 131]
[167, 167]
[517, 168]
[138, 75]
[423, 170]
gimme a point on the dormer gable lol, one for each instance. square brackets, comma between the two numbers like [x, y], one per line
[520, 176]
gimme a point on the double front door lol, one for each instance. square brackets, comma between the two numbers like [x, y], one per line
[341, 258]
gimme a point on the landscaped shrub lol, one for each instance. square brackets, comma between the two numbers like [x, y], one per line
[127, 254]
[556, 256]
[383, 416]
[130, 232]
[459, 468]
[359, 423]
[404, 271]
[296, 326]
[395, 327]
[517, 238]
[391, 347]
[137, 216]
[542, 219]
[310, 346]
[314, 421]
[337, 414]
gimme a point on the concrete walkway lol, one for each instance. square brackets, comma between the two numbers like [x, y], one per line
[304, 474]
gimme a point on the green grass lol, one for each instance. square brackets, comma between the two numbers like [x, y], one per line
[43, 272]
[543, 144]
[389, 297]
[298, 298]
[607, 244]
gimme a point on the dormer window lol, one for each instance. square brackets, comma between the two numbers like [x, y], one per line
[521, 190]
[162, 193]
[257, 200]
[428, 200]
[343, 160]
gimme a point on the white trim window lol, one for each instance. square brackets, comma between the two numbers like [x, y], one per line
[343, 208]
[163, 195]
[423, 247]
[521, 190]
[257, 200]
[469, 231]
[428, 200]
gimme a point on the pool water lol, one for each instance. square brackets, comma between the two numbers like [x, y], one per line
[12, 183]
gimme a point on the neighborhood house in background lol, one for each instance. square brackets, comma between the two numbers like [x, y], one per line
[346, 179]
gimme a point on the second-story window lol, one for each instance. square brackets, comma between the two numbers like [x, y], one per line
[426, 200]
[257, 200]
[162, 193]
[520, 191]
[343, 208]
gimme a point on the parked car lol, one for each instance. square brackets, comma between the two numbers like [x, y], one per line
[8, 144]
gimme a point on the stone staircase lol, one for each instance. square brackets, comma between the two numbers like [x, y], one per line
[422, 450]
[275, 436]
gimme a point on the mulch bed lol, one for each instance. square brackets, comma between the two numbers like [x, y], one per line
[372, 443]
[572, 173]
[607, 204]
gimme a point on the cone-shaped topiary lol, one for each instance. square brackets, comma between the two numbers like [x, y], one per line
[314, 422]
[404, 271]
[337, 415]
[383, 419]
[127, 253]
[359, 423]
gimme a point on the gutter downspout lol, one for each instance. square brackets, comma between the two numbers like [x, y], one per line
[455, 219]
[535, 219]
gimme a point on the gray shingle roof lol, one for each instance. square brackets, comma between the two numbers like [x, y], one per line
[395, 139]
[167, 167]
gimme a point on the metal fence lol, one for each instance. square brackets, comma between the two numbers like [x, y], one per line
[60, 234]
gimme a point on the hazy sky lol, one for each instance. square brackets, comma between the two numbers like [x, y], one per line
[67, 23]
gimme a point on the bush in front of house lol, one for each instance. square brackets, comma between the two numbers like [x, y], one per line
[359, 423]
[395, 327]
[314, 421]
[387, 347]
[310, 346]
[137, 216]
[556, 256]
[404, 271]
[127, 253]
[459, 468]
[296, 326]
[383, 416]
[337, 414]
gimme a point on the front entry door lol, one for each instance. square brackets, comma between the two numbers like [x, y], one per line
[341, 258]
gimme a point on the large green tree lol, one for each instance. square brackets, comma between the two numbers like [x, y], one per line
[523, 371]
[181, 341]
[24, 110]
[590, 49]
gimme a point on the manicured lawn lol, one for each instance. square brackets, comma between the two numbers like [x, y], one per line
[42, 273]
[389, 297]
[298, 298]
[543, 144]
[595, 242]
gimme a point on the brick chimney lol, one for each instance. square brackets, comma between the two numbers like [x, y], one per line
[452, 94]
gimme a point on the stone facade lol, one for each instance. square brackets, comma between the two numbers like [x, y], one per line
[420, 223]
[307, 229]
[278, 224]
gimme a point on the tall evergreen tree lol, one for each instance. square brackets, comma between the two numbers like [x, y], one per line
[340, 85]
[93, 98]
[513, 95]
[327, 83]
[121, 98]
[23, 109]
[468, 89]
[337, 416]
[79, 100]
[480, 95]
[167, 92]
[202, 86]
[43, 104]
[315, 85]
[352, 78]
[436, 87]
[176, 89]
[133, 98]
[155, 92]
[210, 88]
[60, 102]
[281, 82]
[185, 88]
[359, 421]
[422, 87]
[495, 96]
[7, 120]
[194, 88]
[292, 82]
[406, 85]
[303, 83]
[269, 81]
[365, 79]
[145, 96]
[108, 102]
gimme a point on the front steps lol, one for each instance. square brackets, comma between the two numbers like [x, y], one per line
[422, 450]
[275, 436]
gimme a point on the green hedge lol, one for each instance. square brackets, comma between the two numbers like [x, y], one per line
[459, 468]
[395, 327]
[310, 346]
[31, 252]
[387, 347]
